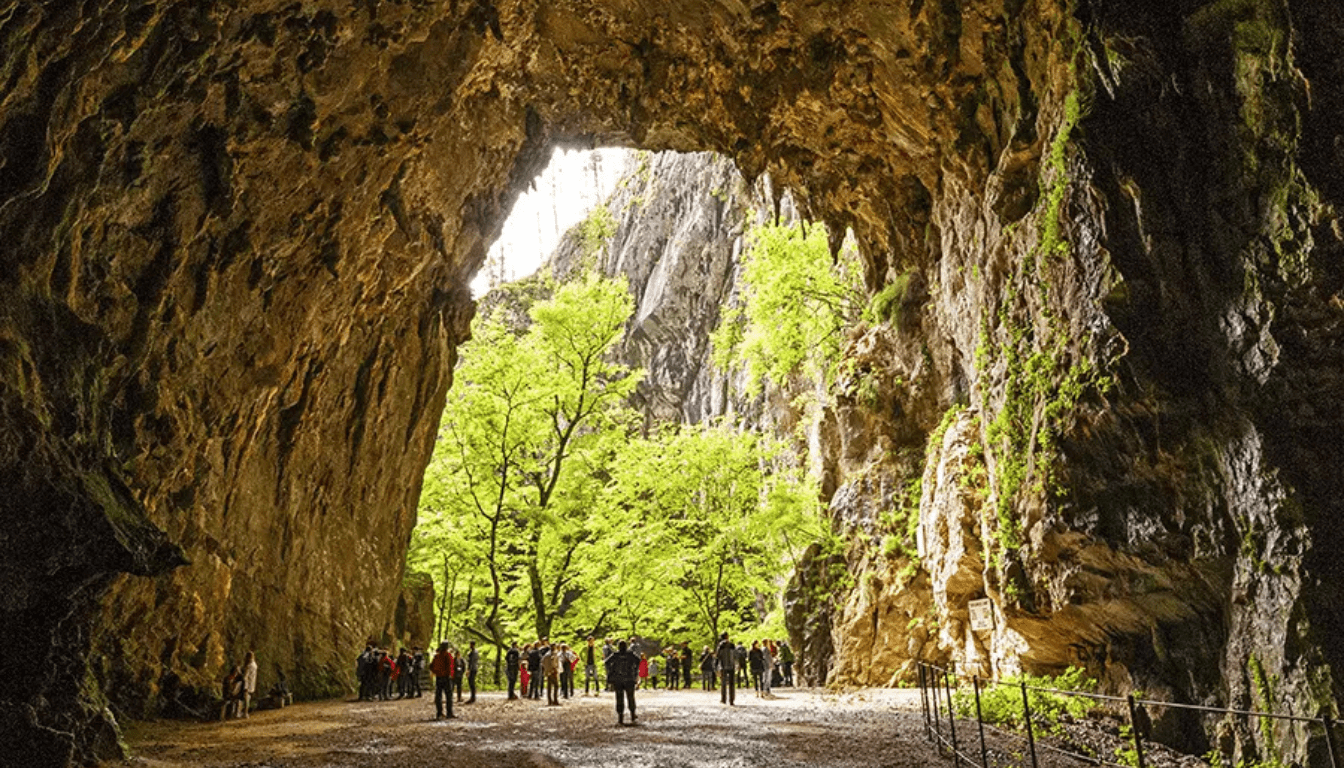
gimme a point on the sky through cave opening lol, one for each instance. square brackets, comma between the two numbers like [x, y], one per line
[573, 183]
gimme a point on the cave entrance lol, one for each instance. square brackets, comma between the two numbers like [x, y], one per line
[596, 473]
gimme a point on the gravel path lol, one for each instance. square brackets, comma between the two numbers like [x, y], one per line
[873, 728]
[688, 729]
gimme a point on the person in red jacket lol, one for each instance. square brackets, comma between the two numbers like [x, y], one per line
[443, 666]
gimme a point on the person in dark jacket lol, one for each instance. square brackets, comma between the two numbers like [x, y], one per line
[756, 663]
[417, 669]
[687, 663]
[673, 661]
[786, 658]
[473, 664]
[534, 666]
[511, 660]
[622, 675]
[459, 672]
[707, 681]
[727, 658]
[404, 673]
[366, 672]
[742, 664]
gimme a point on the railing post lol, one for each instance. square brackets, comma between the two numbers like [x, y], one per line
[951, 718]
[1330, 740]
[924, 700]
[1135, 730]
[937, 711]
[980, 722]
[1026, 716]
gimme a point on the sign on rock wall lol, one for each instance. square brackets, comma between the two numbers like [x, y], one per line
[982, 614]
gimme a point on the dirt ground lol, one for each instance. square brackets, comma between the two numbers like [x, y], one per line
[796, 727]
[873, 728]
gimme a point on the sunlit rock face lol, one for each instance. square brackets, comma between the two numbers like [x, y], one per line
[679, 222]
[235, 242]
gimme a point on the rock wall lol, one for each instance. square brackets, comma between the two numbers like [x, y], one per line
[412, 622]
[235, 241]
[1122, 344]
[678, 221]
[679, 225]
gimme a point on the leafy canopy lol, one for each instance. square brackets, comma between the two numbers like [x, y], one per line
[704, 520]
[531, 413]
[796, 304]
[542, 514]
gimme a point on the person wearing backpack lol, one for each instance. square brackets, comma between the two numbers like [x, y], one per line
[622, 675]
[404, 674]
[727, 658]
[786, 658]
[385, 670]
[417, 669]
[707, 681]
[534, 666]
[550, 667]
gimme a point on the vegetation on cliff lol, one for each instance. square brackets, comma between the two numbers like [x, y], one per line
[797, 303]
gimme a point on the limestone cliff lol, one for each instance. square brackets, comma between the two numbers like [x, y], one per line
[235, 241]
[678, 226]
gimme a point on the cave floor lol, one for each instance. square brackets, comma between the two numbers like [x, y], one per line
[797, 727]
[687, 729]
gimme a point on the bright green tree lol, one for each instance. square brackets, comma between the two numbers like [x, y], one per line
[702, 521]
[529, 412]
[796, 303]
[541, 513]
[584, 409]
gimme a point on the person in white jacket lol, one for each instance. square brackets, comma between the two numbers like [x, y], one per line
[249, 681]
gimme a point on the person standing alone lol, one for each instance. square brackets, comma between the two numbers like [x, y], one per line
[622, 674]
[727, 658]
[442, 668]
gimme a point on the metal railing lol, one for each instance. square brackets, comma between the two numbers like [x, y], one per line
[936, 686]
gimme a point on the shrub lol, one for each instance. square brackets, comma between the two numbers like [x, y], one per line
[1001, 703]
